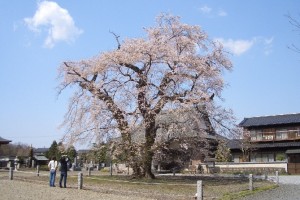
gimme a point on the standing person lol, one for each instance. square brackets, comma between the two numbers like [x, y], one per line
[52, 167]
[63, 170]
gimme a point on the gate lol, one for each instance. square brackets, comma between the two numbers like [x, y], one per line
[293, 168]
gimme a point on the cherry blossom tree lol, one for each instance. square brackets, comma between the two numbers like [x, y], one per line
[175, 66]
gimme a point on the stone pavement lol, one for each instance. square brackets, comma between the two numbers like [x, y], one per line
[283, 192]
[288, 179]
[289, 189]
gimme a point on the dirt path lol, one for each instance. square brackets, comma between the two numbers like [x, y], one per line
[20, 190]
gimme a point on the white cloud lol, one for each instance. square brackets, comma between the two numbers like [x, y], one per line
[237, 47]
[269, 41]
[56, 20]
[210, 12]
[15, 27]
[268, 45]
[205, 9]
[222, 13]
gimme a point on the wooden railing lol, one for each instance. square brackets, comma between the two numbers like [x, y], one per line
[272, 136]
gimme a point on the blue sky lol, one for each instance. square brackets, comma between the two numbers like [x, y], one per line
[36, 36]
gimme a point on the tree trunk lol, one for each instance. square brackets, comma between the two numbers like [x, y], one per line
[136, 168]
[150, 134]
[147, 165]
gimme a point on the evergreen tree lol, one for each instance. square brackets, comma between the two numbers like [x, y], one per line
[71, 152]
[53, 151]
[100, 153]
[223, 152]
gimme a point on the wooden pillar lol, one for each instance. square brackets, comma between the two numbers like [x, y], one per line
[250, 182]
[89, 171]
[80, 180]
[38, 170]
[199, 194]
[11, 173]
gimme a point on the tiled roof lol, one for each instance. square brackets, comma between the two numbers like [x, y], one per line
[40, 150]
[80, 151]
[234, 144]
[292, 151]
[4, 141]
[271, 120]
[41, 158]
[237, 143]
[186, 122]
[7, 158]
[276, 144]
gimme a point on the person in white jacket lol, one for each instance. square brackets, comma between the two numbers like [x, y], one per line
[52, 168]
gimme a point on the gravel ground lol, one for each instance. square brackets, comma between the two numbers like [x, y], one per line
[20, 190]
[283, 192]
[26, 185]
[289, 189]
[289, 180]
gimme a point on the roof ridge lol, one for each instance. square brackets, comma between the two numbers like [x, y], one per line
[271, 120]
[272, 115]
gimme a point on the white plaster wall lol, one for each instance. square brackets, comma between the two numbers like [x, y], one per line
[252, 165]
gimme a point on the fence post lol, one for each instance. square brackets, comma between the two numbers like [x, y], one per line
[38, 170]
[11, 173]
[16, 164]
[110, 168]
[250, 182]
[277, 177]
[80, 180]
[89, 171]
[199, 194]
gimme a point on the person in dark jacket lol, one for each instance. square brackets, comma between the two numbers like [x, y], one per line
[63, 170]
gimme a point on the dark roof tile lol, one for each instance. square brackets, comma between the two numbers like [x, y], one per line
[4, 141]
[40, 158]
[237, 144]
[40, 150]
[271, 120]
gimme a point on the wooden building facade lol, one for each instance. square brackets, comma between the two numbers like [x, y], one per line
[269, 139]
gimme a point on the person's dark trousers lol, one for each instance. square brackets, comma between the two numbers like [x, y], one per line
[52, 178]
[63, 176]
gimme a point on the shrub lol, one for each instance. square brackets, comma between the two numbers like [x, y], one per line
[280, 157]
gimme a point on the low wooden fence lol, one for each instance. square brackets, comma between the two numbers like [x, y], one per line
[199, 189]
